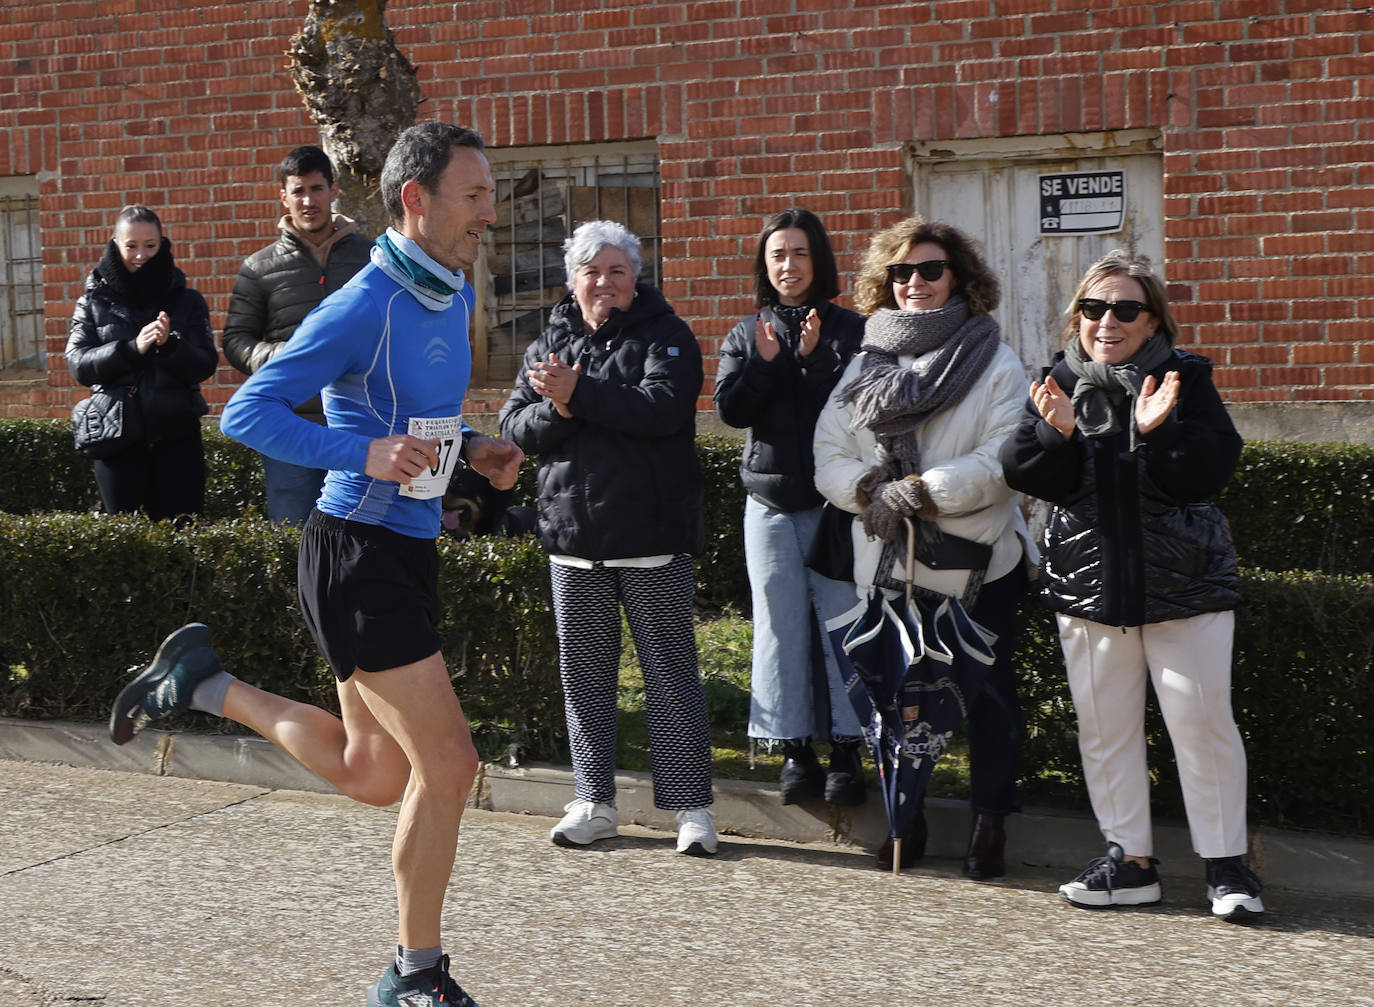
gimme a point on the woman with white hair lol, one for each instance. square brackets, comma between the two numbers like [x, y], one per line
[607, 400]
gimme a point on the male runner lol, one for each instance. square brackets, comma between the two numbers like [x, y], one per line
[389, 353]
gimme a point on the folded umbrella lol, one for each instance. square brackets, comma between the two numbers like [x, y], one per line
[911, 668]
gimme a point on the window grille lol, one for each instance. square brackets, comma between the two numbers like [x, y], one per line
[542, 194]
[21, 284]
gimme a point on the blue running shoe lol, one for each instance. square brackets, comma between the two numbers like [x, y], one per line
[164, 688]
[421, 989]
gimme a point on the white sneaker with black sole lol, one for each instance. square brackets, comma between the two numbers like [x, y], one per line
[696, 832]
[1113, 881]
[1233, 890]
[584, 823]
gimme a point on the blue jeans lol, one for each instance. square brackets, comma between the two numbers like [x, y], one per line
[795, 690]
[292, 490]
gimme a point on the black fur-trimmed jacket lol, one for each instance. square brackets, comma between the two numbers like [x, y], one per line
[101, 350]
[778, 400]
[1131, 539]
[618, 479]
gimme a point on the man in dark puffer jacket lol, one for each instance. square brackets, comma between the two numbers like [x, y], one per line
[316, 253]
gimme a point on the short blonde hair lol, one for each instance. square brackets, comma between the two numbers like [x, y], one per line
[1119, 263]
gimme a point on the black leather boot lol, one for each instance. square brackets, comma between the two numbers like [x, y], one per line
[845, 784]
[986, 845]
[913, 845]
[802, 778]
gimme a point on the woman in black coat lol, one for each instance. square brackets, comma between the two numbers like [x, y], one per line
[777, 368]
[1128, 439]
[139, 326]
[607, 400]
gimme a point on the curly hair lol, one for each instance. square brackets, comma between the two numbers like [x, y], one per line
[972, 279]
[1119, 263]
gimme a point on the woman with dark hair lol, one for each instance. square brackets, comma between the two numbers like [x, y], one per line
[777, 367]
[139, 326]
[1128, 438]
[607, 400]
[913, 431]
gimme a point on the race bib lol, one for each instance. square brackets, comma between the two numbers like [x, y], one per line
[448, 431]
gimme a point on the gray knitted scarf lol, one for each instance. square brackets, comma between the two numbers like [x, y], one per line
[893, 401]
[1098, 384]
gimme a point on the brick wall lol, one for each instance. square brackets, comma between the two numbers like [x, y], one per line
[1266, 108]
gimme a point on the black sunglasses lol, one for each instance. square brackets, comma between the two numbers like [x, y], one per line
[930, 270]
[1125, 311]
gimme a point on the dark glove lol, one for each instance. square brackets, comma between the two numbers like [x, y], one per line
[892, 501]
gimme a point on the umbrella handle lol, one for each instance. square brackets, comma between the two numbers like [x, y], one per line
[897, 855]
[910, 557]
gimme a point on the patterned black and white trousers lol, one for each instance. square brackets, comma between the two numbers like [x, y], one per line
[658, 607]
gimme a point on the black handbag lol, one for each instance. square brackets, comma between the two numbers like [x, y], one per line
[832, 550]
[108, 422]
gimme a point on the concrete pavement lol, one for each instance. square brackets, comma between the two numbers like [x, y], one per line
[131, 888]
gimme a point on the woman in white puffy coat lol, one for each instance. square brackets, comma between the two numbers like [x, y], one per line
[913, 430]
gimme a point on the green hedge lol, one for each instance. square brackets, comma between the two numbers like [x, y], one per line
[1302, 693]
[1303, 507]
[1291, 506]
[85, 597]
[43, 472]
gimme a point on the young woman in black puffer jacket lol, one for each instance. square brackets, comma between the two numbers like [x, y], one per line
[1128, 439]
[139, 325]
[777, 368]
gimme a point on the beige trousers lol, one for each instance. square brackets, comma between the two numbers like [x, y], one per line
[1189, 663]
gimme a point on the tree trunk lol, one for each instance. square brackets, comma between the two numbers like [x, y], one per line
[361, 91]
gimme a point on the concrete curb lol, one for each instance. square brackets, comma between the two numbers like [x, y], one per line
[1039, 838]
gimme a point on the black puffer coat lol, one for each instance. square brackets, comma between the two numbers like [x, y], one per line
[277, 287]
[779, 400]
[620, 477]
[117, 304]
[1131, 540]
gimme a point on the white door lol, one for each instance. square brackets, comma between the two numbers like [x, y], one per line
[991, 190]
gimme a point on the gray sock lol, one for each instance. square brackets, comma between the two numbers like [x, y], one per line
[209, 695]
[412, 960]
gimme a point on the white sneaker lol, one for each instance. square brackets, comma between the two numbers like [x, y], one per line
[585, 822]
[696, 832]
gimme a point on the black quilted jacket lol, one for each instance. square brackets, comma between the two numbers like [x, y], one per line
[276, 288]
[1131, 539]
[620, 478]
[779, 400]
[101, 350]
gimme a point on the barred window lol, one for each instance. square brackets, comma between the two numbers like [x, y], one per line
[21, 282]
[542, 194]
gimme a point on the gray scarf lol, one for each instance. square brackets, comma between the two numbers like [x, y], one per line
[1098, 384]
[893, 401]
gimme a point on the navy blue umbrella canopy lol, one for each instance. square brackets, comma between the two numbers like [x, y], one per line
[911, 667]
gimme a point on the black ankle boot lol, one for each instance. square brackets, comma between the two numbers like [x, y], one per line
[913, 845]
[845, 784]
[986, 845]
[802, 778]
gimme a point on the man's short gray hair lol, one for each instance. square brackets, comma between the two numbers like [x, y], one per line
[421, 153]
[590, 238]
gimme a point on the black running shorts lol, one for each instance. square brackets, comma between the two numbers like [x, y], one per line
[370, 595]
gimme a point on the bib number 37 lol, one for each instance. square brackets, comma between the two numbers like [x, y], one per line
[448, 431]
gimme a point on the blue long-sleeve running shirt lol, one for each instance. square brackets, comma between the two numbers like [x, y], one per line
[377, 358]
